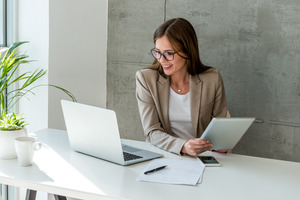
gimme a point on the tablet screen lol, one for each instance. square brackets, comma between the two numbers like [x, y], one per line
[225, 133]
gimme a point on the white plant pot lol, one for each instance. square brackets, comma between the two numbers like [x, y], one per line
[7, 145]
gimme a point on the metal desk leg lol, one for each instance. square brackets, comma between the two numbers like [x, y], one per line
[58, 197]
[30, 195]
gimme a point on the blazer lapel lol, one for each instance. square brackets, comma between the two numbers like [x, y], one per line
[163, 87]
[196, 90]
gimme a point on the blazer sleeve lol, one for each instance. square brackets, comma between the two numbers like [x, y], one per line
[149, 113]
[220, 105]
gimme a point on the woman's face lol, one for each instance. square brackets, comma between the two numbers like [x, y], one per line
[175, 66]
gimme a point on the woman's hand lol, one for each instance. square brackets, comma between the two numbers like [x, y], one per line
[194, 147]
[223, 150]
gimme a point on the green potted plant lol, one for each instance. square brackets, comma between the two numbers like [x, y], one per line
[12, 125]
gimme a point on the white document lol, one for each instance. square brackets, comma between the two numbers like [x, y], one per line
[184, 172]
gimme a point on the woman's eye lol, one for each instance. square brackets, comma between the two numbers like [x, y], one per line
[169, 53]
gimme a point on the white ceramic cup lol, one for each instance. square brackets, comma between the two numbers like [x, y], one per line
[25, 148]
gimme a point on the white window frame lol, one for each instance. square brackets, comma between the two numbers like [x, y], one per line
[8, 24]
[3, 22]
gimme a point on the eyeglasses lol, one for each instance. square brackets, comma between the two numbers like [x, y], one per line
[169, 56]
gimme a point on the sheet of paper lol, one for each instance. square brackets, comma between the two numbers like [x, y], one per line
[185, 171]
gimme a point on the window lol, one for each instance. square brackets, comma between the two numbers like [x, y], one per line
[8, 17]
[7, 22]
[3, 23]
[7, 37]
[3, 188]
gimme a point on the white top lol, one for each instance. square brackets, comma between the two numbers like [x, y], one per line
[180, 115]
[59, 170]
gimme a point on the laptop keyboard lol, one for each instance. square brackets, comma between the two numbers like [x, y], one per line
[129, 156]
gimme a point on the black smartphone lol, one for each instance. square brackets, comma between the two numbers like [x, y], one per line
[209, 161]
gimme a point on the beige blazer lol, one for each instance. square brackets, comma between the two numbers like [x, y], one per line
[207, 96]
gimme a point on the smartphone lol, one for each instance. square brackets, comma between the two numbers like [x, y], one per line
[209, 161]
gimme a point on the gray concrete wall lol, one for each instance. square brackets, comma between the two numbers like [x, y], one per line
[254, 43]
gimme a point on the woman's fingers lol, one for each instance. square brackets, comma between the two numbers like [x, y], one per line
[195, 146]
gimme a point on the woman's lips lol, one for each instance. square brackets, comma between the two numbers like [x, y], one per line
[167, 66]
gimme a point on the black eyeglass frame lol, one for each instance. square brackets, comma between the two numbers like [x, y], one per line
[163, 54]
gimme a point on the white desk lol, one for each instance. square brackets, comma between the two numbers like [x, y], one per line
[59, 170]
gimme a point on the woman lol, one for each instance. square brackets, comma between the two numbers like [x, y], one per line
[178, 95]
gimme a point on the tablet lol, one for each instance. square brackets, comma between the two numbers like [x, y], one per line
[225, 133]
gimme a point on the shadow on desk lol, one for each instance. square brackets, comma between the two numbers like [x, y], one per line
[13, 170]
[79, 172]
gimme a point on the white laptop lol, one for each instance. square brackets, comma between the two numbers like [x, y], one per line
[94, 131]
[225, 133]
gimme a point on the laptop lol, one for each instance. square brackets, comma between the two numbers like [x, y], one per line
[94, 131]
[225, 133]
